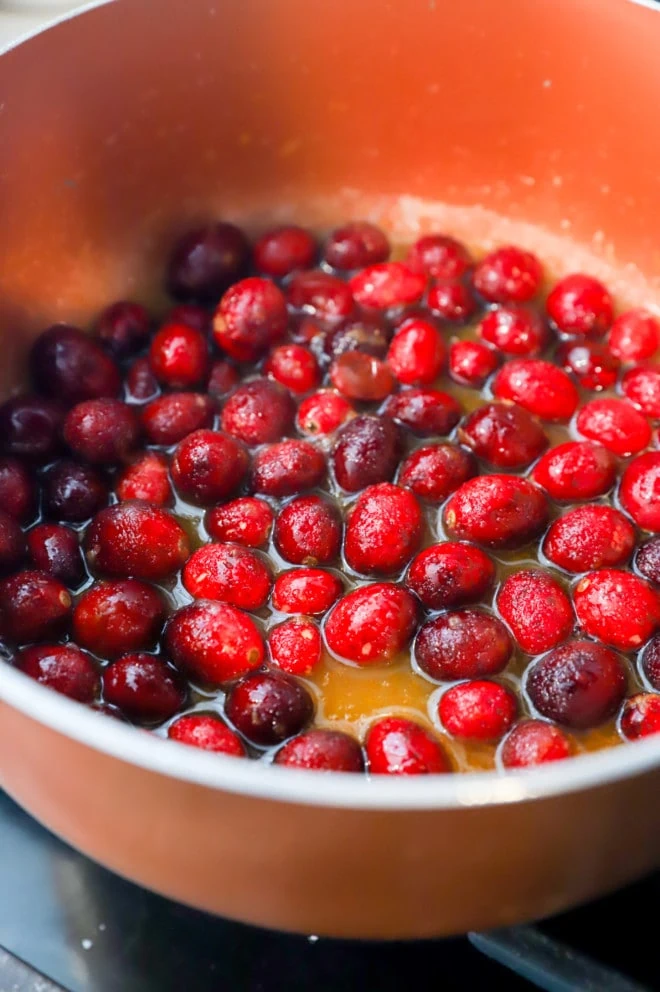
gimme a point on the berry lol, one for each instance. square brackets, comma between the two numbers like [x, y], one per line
[635, 335]
[366, 452]
[33, 606]
[639, 491]
[208, 466]
[30, 427]
[205, 261]
[317, 293]
[647, 560]
[591, 363]
[589, 537]
[70, 367]
[179, 356]
[575, 470]
[213, 643]
[55, 549]
[136, 539]
[141, 384]
[308, 531]
[477, 710]
[258, 412]
[452, 301]
[615, 424]
[450, 574]
[269, 707]
[323, 412]
[360, 376]
[367, 333]
[113, 618]
[73, 492]
[170, 418]
[191, 314]
[384, 530]
[223, 377]
[539, 387]
[250, 317]
[503, 435]
[388, 284]
[294, 367]
[147, 478]
[295, 646]
[514, 330]
[123, 328]
[282, 250]
[508, 275]
[287, 468]
[537, 610]
[651, 661]
[371, 624]
[617, 607]
[62, 667]
[464, 644]
[471, 363]
[439, 256]
[580, 305]
[230, 573]
[306, 590]
[579, 685]
[355, 245]
[534, 742]
[101, 431]
[424, 411]
[245, 521]
[143, 687]
[17, 490]
[640, 716]
[417, 352]
[642, 387]
[208, 732]
[436, 471]
[322, 750]
[497, 510]
[12, 543]
[396, 746]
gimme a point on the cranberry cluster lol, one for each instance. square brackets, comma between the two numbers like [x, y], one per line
[196, 512]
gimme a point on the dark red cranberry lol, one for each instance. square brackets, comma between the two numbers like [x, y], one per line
[258, 412]
[371, 624]
[191, 314]
[250, 317]
[576, 470]
[62, 667]
[514, 330]
[359, 376]
[30, 427]
[144, 687]
[450, 574]
[537, 610]
[589, 537]
[17, 489]
[222, 379]
[639, 491]
[617, 607]
[170, 418]
[141, 384]
[123, 328]
[323, 412]
[102, 431]
[451, 301]
[136, 539]
[12, 543]
[465, 644]
[230, 573]
[308, 531]
[436, 471]
[282, 250]
[367, 333]
[508, 275]
[417, 352]
[33, 606]
[579, 685]
[471, 363]
[355, 245]
[580, 305]
[73, 492]
[424, 411]
[112, 618]
[295, 646]
[208, 466]
[206, 261]
[439, 256]
[539, 387]
[640, 716]
[306, 590]
[268, 707]
[615, 424]
[55, 549]
[287, 468]
[647, 560]
[641, 386]
[497, 510]
[321, 295]
[213, 642]
[322, 750]
[384, 530]
[366, 452]
[179, 356]
[591, 363]
[309, 331]
[396, 746]
[387, 284]
[69, 366]
[651, 661]
[478, 710]
[294, 367]
[635, 335]
[534, 742]
[503, 435]
[208, 732]
[245, 521]
[147, 478]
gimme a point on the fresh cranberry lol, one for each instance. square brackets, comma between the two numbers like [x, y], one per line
[396, 746]
[387, 284]
[355, 245]
[477, 710]
[514, 330]
[112, 618]
[17, 489]
[102, 431]
[384, 530]
[635, 335]
[642, 387]
[205, 261]
[294, 367]
[580, 305]
[368, 333]
[230, 573]
[589, 537]
[539, 387]
[640, 716]
[579, 685]
[141, 384]
[450, 574]
[179, 356]
[295, 646]
[12, 543]
[424, 411]
[465, 644]
[309, 331]
[214, 642]
[306, 590]
[639, 491]
[453, 301]
[62, 667]
[497, 510]
[143, 687]
[534, 742]
[208, 732]
[308, 531]
[70, 366]
[55, 549]
[435, 471]
[136, 539]
[258, 412]
[615, 424]
[268, 707]
[33, 606]
[323, 412]
[245, 521]
[191, 314]
[537, 610]
[208, 466]
[591, 363]
[439, 256]
[471, 363]
[321, 295]
[147, 478]
[617, 607]
[170, 418]
[123, 328]
[73, 492]
[322, 750]
[360, 376]
[651, 661]
[371, 624]
[503, 435]
[576, 470]
[30, 427]
[223, 377]
[508, 275]
[366, 452]
[282, 250]
[417, 352]
[287, 468]
[647, 560]
[250, 317]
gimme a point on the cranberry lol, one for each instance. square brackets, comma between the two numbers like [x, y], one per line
[640, 716]
[205, 261]
[617, 607]
[322, 750]
[258, 412]
[223, 377]
[539, 387]
[136, 539]
[591, 363]
[635, 335]
[417, 352]
[208, 466]
[451, 301]
[497, 510]
[360, 376]
[642, 387]
[308, 531]
[508, 275]
[17, 489]
[73, 492]
[537, 610]
[477, 710]
[576, 470]
[33, 606]
[12, 543]
[589, 537]
[651, 661]
[282, 250]
[318, 293]
[639, 491]
[102, 431]
[112, 618]
[580, 684]
[309, 331]
[123, 328]
[213, 642]
[287, 468]
[450, 574]
[371, 624]
[366, 452]
[179, 356]
[62, 667]
[269, 707]
[439, 256]
[514, 330]
[147, 478]
[471, 363]
[143, 687]
[323, 412]
[230, 573]
[250, 317]
[367, 333]
[435, 471]
[170, 418]
[295, 646]
[388, 284]
[306, 590]
[462, 645]
[355, 245]
[424, 411]
[30, 427]
[55, 549]
[534, 742]
[294, 367]
[647, 560]
[616, 424]
[70, 367]
[580, 305]
[245, 521]
[141, 384]
[384, 530]
[396, 746]
[208, 732]
[503, 435]
[191, 314]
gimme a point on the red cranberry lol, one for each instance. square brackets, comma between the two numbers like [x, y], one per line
[141, 384]
[508, 275]
[497, 510]
[294, 367]
[258, 412]
[424, 411]
[205, 261]
[576, 470]
[477, 710]
[55, 549]
[579, 685]
[651, 661]
[62, 667]
[143, 687]
[647, 560]
[33, 606]
[617, 607]
[384, 530]
[213, 642]
[539, 387]
[208, 732]
[306, 590]
[12, 543]
[250, 317]
[589, 537]
[580, 305]
[371, 624]
[102, 431]
[70, 367]
[147, 478]
[450, 574]
[462, 645]
[591, 363]
[295, 646]
[179, 356]
[642, 387]
[30, 427]
[112, 618]
[396, 746]
[537, 610]
[323, 412]
[503, 435]
[534, 742]
[191, 314]
[170, 418]
[366, 452]
[308, 531]
[17, 489]
[308, 331]
[287, 468]
[514, 330]
[230, 573]
[639, 491]
[355, 245]
[452, 301]
[361, 377]
[282, 250]
[640, 716]
[616, 424]
[322, 750]
[471, 363]
[269, 707]
[136, 539]
[388, 284]
[367, 333]
[417, 352]
[208, 466]
[123, 328]
[245, 521]
[73, 492]
[635, 335]
[439, 256]
[317, 293]
[223, 377]
[436, 471]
